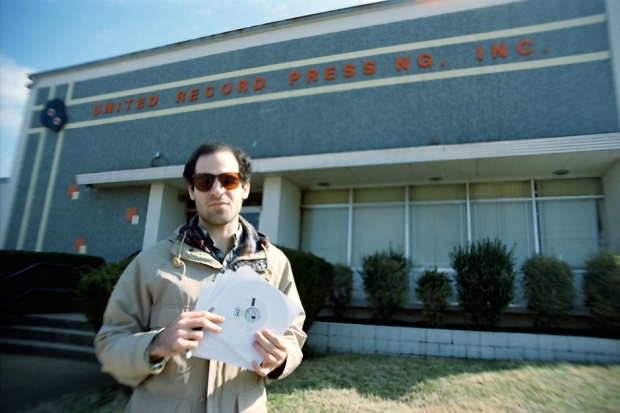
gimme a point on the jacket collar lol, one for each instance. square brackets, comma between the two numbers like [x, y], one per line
[188, 247]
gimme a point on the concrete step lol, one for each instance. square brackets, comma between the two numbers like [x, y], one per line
[57, 335]
[46, 348]
[51, 334]
[75, 321]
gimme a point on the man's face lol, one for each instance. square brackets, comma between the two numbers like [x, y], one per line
[219, 207]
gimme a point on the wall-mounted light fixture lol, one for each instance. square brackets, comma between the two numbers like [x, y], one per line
[157, 156]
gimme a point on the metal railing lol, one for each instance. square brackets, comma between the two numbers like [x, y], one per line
[41, 287]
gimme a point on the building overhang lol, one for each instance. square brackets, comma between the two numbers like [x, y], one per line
[581, 156]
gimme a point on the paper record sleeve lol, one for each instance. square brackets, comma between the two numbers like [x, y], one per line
[249, 304]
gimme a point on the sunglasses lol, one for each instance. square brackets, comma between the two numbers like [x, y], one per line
[204, 182]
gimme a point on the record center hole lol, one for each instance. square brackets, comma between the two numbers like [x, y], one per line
[252, 314]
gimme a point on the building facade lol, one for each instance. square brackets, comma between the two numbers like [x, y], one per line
[407, 124]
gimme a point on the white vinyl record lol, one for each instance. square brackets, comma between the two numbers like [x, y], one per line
[251, 314]
[249, 304]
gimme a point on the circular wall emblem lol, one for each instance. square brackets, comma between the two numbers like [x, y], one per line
[53, 115]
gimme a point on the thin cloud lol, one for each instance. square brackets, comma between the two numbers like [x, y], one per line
[13, 94]
[13, 99]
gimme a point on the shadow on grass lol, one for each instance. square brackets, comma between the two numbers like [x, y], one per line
[110, 398]
[390, 378]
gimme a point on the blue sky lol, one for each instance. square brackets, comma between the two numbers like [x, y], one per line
[42, 35]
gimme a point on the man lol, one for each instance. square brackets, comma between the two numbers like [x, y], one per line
[149, 324]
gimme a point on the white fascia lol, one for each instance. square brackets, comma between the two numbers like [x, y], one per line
[324, 23]
[435, 153]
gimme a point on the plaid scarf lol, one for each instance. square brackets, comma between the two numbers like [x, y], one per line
[251, 242]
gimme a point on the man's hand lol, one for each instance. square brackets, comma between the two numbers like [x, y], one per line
[183, 334]
[272, 350]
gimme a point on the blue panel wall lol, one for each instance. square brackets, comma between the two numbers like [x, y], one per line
[459, 105]
[98, 216]
[569, 99]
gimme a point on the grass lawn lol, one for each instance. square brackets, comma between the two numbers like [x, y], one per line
[345, 383]
[360, 383]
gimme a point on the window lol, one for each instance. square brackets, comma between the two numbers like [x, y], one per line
[568, 218]
[324, 224]
[503, 210]
[438, 222]
[377, 228]
[558, 218]
[325, 233]
[378, 221]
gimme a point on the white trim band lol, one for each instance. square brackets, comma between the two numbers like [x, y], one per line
[379, 157]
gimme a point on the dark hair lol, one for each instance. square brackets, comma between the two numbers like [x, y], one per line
[244, 161]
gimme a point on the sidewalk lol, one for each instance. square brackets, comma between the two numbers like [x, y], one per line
[27, 381]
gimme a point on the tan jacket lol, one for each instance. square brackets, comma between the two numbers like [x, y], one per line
[148, 297]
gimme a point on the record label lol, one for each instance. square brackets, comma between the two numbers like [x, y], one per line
[251, 314]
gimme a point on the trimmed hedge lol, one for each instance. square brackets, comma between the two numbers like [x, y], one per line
[484, 280]
[548, 285]
[314, 278]
[386, 282]
[95, 288]
[601, 285]
[342, 288]
[434, 289]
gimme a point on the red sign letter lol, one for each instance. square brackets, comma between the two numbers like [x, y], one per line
[402, 63]
[349, 70]
[425, 60]
[293, 77]
[495, 49]
[226, 89]
[259, 83]
[520, 49]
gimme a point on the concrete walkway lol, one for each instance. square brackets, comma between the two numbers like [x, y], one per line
[27, 381]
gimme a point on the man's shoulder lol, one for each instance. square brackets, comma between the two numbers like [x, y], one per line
[164, 245]
[160, 251]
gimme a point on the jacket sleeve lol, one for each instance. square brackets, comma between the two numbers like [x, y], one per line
[294, 335]
[123, 340]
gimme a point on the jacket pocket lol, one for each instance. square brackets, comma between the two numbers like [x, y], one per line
[253, 401]
[142, 402]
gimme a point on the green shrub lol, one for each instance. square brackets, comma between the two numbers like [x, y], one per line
[484, 280]
[95, 288]
[601, 286]
[434, 289]
[342, 288]
[549, 290]
[313, 276]
[386, 282]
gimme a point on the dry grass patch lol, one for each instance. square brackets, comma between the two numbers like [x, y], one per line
[345, 383]
[357, 383]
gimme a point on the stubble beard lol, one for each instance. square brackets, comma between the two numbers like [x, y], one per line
[218, 218]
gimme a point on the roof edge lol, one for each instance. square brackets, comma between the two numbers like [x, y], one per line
[218, 37]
